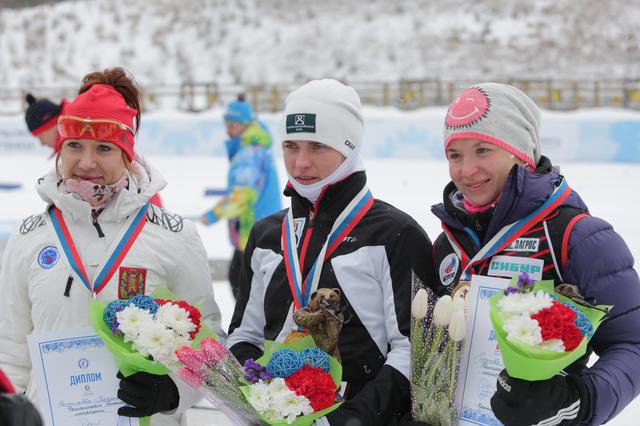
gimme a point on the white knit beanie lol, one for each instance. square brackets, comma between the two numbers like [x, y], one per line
[497, 113]
[324, 111]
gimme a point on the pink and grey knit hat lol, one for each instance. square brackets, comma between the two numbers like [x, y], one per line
[497, 113]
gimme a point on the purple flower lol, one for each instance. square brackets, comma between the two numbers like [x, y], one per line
[525, 282]
[264, 375]
[510, 290]
[254, 372]
[115, 327]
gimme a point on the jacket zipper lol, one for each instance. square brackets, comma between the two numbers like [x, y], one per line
[68, 287]
[94, 220]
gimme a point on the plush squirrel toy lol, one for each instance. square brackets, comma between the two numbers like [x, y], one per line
[323, 319]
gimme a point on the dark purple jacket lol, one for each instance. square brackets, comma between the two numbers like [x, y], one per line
[601, 265]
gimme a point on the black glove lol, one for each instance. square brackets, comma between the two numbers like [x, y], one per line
[561, 400]
[147, 394]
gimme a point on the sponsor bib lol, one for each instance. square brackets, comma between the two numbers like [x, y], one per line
[525, 244]
[512, 266]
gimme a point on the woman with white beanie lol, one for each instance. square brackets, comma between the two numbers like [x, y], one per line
[348, 240]
[506, 199]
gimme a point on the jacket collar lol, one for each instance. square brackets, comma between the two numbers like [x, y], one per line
[332, 200]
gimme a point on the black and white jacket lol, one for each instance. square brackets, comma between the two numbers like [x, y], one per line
[372, 267]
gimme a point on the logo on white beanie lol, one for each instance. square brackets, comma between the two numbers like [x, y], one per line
[301, 123]
[499, 114]
[325, 111]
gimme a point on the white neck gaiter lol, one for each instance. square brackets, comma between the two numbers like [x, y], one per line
[311, 192]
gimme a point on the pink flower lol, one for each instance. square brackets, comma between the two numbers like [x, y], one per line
[213, 351]
[192, 378]
[191, 358]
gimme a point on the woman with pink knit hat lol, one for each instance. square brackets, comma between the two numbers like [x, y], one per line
[100, 238]
[506, 199]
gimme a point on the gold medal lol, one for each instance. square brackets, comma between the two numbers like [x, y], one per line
[461, 289]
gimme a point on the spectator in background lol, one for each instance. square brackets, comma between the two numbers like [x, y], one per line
[42, 119]
[253, 191]
[16, 409]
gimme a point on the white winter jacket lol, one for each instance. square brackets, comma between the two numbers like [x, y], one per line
[32, 291]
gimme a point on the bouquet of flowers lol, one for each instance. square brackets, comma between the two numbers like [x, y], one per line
[293, 384]
[143, 333]
[541, 331]
[218, 376]
[438, 329]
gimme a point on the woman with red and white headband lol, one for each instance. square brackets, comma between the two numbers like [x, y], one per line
[100, 190]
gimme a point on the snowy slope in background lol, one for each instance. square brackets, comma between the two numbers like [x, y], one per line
[252, 41]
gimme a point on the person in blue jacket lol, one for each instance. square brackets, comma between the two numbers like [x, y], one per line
[499, 179]
[253, 191]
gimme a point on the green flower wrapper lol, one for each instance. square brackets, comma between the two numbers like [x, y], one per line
[527, 362]
[127, 359]
[335, 370]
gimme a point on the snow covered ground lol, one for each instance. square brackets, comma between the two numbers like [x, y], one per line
[610, 190]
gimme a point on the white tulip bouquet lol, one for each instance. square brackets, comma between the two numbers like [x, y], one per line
[438, 329]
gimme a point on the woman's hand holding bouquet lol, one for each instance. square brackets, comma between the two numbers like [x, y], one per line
[541, 330]
[143, 334]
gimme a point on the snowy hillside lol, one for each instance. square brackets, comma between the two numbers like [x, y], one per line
[267, 41]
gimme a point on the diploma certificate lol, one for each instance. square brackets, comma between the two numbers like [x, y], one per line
[76, 381]
[481, 362]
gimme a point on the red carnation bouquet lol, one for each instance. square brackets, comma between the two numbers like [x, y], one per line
[541, 331]
[314, 384]
[293, 384]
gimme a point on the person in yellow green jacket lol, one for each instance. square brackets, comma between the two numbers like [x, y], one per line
[253, 191]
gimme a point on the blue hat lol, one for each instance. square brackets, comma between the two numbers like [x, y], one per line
[240, 112]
